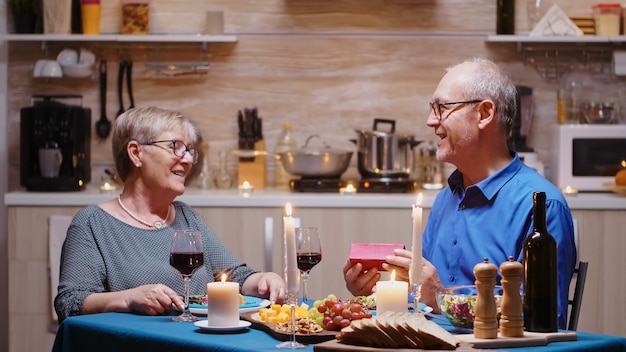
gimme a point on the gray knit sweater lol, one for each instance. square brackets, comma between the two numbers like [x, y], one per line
[104, 254]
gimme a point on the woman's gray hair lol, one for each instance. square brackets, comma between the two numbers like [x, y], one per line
[144, 125]
[488, 81]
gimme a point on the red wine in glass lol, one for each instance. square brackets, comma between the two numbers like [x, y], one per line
[307, 260]
[308, 252]
[186, 255]
[186, 262]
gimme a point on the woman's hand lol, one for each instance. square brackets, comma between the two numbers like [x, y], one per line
[146, 299]
[154, 299]
[359, 282]
[266, 284]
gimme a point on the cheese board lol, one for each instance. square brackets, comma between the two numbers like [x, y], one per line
[257, 323]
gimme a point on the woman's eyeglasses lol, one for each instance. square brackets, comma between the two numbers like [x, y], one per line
[179, 148]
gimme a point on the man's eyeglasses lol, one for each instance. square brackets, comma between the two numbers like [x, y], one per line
[437, 107]
[179, 148]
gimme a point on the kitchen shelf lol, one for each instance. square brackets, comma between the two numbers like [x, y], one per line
[125, 38]
[553, 57]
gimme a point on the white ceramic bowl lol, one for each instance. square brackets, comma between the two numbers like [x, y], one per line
[67, 57]
[78, 71]
[47, 68]
[86, 57]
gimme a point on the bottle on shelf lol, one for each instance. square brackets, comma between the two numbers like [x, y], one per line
[505, 17]
[540, 273]
[285, 143]
[223, 179]
[205, 177]
[570, 96]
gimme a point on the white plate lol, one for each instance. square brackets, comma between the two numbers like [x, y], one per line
[197, 309]
[204, 325]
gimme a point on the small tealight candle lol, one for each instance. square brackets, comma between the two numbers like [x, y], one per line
[392, 295]
[348, 190]
[246, 189]
[569, 191]
[222, 303]
[106, 187]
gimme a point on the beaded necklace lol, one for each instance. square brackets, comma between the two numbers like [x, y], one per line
[157, 224]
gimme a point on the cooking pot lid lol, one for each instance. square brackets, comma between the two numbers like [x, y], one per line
[376, 132]
[324, 148]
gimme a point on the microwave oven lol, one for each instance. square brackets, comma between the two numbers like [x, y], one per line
[586, 156]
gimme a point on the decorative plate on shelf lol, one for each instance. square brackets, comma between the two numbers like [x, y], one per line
[621, 190]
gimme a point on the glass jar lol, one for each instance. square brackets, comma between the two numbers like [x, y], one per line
[223, 179]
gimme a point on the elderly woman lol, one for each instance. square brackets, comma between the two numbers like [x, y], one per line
[116, 254]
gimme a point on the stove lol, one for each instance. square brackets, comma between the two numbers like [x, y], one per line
[370, 185]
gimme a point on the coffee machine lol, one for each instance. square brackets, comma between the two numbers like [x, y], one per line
[55, 144]
[521, 128]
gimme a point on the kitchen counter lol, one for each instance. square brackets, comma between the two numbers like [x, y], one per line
[270, 198]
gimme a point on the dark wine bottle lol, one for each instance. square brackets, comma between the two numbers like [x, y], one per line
[540, 273]
[505, 17]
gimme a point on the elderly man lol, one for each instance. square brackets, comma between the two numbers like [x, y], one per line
[487, 208]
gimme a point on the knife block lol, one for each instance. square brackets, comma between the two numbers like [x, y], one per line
[253, 171]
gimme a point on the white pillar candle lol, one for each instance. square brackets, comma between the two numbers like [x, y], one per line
[391, 295]
[292, 274]
[222, 303]
[415, 271]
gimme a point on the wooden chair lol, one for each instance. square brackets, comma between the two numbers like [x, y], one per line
[575, 302]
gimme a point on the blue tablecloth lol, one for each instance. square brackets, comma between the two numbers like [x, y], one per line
[129, 332]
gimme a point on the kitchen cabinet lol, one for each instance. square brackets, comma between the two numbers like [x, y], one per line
[242, 229]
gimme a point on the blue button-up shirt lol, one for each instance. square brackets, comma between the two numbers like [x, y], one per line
[491, 219]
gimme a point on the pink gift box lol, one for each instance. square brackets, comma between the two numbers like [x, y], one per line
[372, 254]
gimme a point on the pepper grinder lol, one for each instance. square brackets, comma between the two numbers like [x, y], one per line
[486, 322]
[511, 321]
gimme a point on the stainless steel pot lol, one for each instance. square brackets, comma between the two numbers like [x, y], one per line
[384, 154]
[320, 162]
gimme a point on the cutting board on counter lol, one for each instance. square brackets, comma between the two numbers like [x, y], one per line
[529, 339]
[468, 343]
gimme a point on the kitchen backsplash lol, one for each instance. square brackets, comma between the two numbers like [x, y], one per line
[327, 67]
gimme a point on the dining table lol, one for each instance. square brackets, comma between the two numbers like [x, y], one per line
[133, 332]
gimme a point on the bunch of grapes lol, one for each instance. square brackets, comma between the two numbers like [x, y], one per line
[333, 314]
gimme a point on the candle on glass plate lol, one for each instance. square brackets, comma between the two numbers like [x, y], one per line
[349, 189]
[391, 295]
[570, 191]
[291, 259]
[415, 271]
[222, 303]
[107, 187]
[246, 189]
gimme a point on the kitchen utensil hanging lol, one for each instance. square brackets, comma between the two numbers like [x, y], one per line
[103, 125]
[125, 70]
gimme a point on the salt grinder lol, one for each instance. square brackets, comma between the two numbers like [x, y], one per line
[485, 323]
[511, 320]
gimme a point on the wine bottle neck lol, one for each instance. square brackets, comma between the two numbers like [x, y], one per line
[539, 212]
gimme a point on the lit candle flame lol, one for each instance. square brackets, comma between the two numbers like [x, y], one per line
[350, 188]
[223, 278]
[393, 275]
[418, 201]
[246, 185]
[288, 209]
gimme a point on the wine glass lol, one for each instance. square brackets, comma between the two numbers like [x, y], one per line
[309, 251]
[186, 254]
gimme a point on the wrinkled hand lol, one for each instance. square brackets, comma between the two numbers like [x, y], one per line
[359, 282]
[266, 284]
[430, 283]
[153, 299]
[400, 262]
